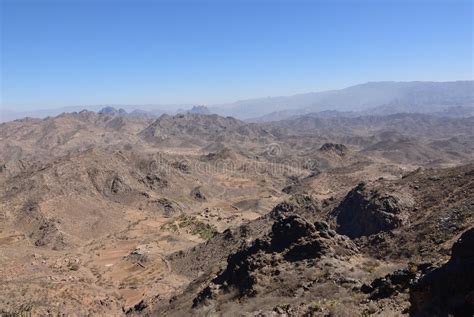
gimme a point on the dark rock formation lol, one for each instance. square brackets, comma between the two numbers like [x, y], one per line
[364, 212]
[48, 234]
[448, 290]
[140, 306]
[169, 208]
[301, 204]
[197, 194]
[392, 283]
[255, 266]
[222, 154]
[294, 186]
[117, 185]
[154, 181]
[339, 149]
[138, 255]
[112, 111]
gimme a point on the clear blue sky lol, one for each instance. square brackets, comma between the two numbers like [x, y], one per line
[61, 53]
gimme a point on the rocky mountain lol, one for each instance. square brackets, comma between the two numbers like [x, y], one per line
[414, 125]
[291, 261]
[373, 98]
[112, 111]
[370, 98]
[199, 110]
[67, 133]
[199, 129]
[199, 214]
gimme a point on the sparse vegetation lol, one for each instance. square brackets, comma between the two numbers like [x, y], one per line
[191, 225]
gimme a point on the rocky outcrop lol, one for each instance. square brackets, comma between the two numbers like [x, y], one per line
[112, 111]
[271, 260]
[49, 235]
[301, 204]
[448, 290]
[118, 185]
[223, 154]
[339, 149]
[184, 125]
[154, 181]
[139, 255]
[395, 282]
[168, 207]
[197, 194]
[294, 186]
[366, 211]
[199, 110]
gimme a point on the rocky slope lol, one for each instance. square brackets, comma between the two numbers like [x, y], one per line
[193, 214]
[449, 289]
[272, 261]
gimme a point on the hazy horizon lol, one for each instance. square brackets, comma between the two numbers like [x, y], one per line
[179, 107]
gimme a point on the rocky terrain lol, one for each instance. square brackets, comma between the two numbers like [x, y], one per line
[197, 214]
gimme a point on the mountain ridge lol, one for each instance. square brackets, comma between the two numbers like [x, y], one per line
[383, 97]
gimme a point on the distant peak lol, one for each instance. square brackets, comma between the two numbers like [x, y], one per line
[199, 110]
[112, 111]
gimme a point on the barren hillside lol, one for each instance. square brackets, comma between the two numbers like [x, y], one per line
[195, 214]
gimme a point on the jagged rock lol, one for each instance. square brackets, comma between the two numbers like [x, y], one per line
[394, 282]
[48, 234]
[199, 110]
[339, 149]
[118, 185]
[141, 305]
[112, 111]
[288, 230]
[365, 212]
[448, 290]
[292, 239]
[138, 255]
[169, 208]
[294, 186]
[197, 194]
[154, 181]
[299, 203]
[305, 202]
[222, 154]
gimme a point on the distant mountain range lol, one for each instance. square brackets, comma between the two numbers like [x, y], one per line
[373, 97]
[449, 98]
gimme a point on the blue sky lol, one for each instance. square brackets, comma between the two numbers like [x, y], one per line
[62, 53]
